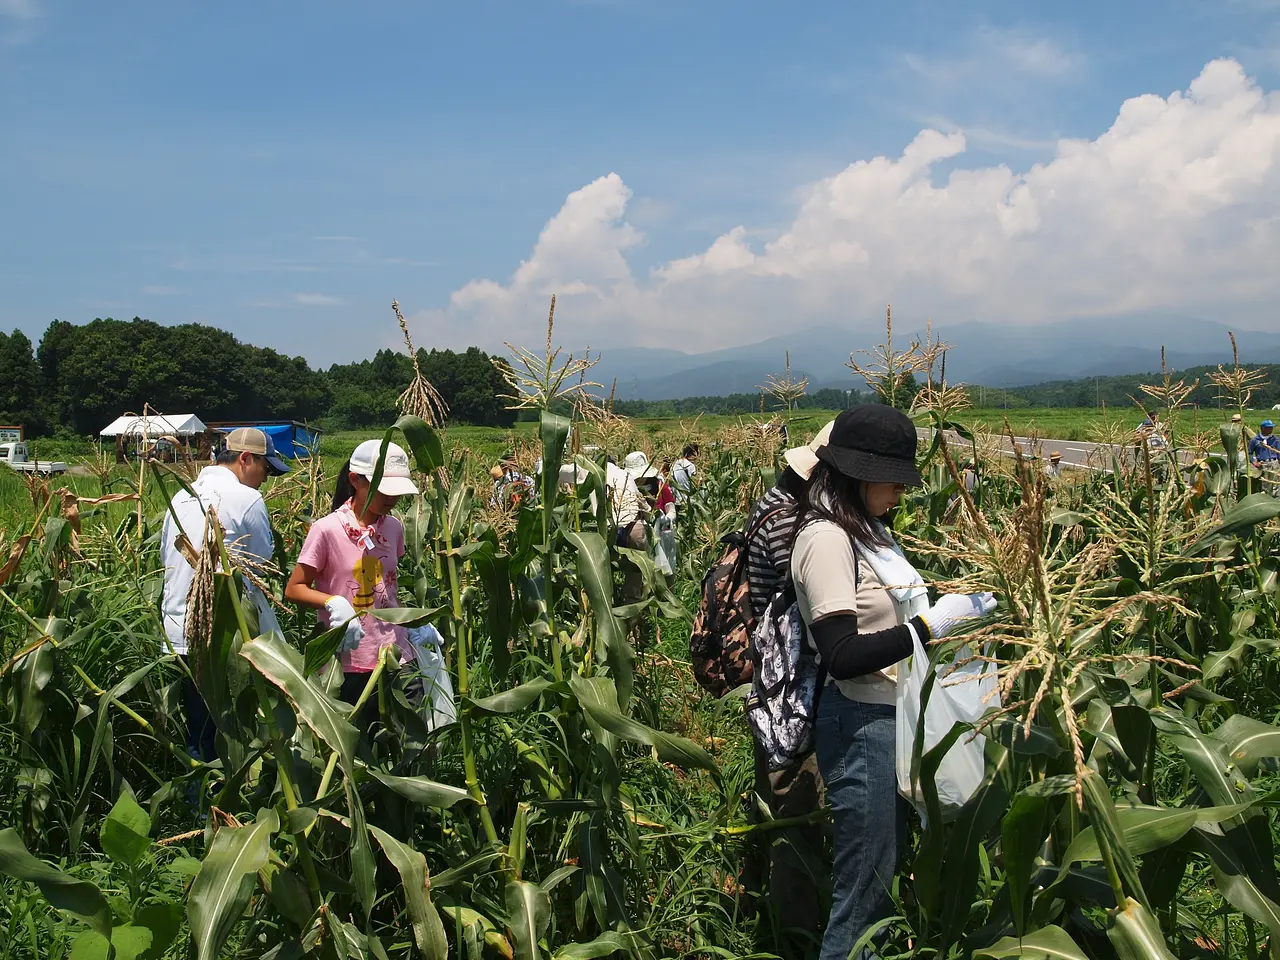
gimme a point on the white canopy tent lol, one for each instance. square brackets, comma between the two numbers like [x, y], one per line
[174, 425]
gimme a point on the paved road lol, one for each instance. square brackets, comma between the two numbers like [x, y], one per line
[1076, 454]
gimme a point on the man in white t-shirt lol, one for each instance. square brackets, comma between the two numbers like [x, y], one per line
[682, 473]
[230, 487]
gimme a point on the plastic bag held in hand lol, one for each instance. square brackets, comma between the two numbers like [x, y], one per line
[342, 612]
[962, 690]
[664, 548]
[438, 708]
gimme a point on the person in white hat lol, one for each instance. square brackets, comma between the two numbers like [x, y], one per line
[347, 565]
[230, 487]
[649, 481]
[796, 791]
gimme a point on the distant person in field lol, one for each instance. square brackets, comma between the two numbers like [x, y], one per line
[683, 471]
[651, 485]
[1264, 449]
[230, 487]
[1053, 469]
[629, 515]
[511, 488]
[793, 891]
[348, 566]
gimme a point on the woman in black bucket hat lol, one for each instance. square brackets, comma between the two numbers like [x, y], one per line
[863, 605]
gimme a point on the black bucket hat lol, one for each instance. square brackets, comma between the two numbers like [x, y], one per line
[874, 443]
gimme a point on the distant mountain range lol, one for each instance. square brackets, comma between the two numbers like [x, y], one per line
[992, 355]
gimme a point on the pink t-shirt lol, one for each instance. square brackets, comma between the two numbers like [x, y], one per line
[363, 570]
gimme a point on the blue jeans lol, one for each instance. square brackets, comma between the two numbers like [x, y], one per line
[200, 728]
[855, 747]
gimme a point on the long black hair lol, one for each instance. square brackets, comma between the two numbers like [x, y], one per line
[343, 490]
[834, 497]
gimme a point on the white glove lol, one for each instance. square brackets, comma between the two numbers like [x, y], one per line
[426, 637]
[342, 612]
[954, 609]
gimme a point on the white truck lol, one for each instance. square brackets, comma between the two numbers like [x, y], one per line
[15, 455]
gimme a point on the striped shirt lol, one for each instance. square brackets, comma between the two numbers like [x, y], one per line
[769, 549]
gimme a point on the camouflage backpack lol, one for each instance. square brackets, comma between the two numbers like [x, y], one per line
[720, 641]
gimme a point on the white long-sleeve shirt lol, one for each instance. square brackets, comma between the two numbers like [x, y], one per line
[243, 516]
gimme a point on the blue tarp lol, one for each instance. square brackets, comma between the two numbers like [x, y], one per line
[291, 440]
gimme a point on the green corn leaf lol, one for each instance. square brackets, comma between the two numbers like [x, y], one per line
[126, 831]
[1022, 834]
[362, 865]
[603, 710]
[282, 665]
[79, 898]
[1136, 935]
[221, 891]
[1232, 876]
[1248, 741]
[1249, 834]
[1244, 516]
[428, 929]
[423, 442]
[1103, 813]
[1047, 943]
[519, 842]
[961, 864]
[31, 676]
[603, 946]
[289, 894]
[1149, 828]
[322, 649]
[528, 914]
[596, 575]
[554, 432]
[421, 790]
[407, 616]
[517, 698]
[447, 878]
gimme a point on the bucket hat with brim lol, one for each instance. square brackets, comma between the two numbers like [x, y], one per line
[874, 443]
[803, 459]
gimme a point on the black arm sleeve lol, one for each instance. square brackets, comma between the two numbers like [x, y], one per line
[847, 654]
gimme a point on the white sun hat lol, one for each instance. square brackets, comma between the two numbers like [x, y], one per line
[803, 459]
[637, 464]
[395, 480]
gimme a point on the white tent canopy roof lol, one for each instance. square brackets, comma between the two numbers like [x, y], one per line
[175, 424]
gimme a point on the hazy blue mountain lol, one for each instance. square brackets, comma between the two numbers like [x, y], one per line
[995, 355]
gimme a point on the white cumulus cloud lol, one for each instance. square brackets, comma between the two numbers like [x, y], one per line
[1175, 207]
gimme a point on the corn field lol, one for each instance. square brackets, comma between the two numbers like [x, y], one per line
[589, 802]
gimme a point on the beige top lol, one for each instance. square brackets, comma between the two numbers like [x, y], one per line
[822, 567]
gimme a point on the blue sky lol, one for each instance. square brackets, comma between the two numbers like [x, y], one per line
[284, 170]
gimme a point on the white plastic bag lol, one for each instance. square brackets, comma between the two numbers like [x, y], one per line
[957, 696]
[438, 708]
[664, 547]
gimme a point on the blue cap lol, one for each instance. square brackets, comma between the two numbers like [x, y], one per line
[1267, 423]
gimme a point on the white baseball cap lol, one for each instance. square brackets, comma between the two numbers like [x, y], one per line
[803, 459]
[395, 480]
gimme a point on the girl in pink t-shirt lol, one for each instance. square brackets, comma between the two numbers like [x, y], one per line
[348, 563]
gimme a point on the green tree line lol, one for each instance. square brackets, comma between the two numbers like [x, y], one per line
[80, 378]
[1120, 390]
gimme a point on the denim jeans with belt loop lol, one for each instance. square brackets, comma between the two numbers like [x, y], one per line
[855, 747]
